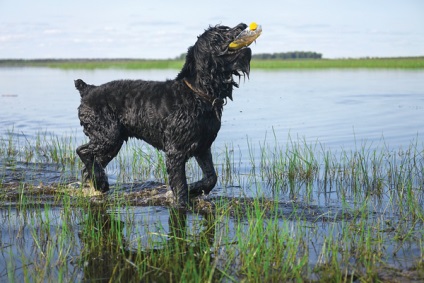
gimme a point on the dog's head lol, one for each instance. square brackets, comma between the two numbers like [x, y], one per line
[211, 63]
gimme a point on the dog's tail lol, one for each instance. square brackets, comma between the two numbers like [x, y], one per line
[82, 87]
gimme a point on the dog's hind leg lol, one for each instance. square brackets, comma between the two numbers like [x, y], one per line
[82, 152]
[109, 153]
[106, 138]
[175, 166]
[93, 170]
[96, 160]
[208, 182]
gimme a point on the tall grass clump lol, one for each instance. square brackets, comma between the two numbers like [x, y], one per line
[41, 148]
[281, 211]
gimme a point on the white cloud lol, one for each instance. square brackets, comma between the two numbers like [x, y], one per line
[166, 29]
[52, 31]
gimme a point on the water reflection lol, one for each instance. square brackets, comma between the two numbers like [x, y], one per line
[109, 256]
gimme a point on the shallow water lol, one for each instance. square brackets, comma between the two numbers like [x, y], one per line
[335, 107]
[337, 110]
[332, 109]
[25, 234]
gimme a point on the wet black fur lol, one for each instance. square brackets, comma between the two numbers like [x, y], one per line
[182, 117]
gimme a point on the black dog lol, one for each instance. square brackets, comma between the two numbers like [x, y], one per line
[182, 117]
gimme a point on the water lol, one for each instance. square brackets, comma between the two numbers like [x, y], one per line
[336, 109]
[339, 108]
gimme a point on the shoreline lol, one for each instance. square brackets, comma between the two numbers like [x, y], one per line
[264, 64]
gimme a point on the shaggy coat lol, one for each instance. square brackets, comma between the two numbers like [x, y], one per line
[181, 117]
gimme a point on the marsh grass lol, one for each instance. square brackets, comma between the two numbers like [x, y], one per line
[91, 64]
[143, 64]
[302, 213]
[348, 63]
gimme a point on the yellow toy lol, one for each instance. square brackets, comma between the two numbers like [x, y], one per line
[247, 36]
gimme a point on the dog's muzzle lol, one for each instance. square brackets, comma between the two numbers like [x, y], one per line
[246, 37]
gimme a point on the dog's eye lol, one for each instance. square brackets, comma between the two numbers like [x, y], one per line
[223, 28]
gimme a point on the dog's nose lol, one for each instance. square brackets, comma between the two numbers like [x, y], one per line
[240, 26]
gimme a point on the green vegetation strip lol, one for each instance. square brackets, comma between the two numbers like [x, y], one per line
[376, 63]
[91, 64]
[374, 234]
[275, 64]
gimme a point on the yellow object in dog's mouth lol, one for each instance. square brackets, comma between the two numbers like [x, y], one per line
[253, 26]
[247, 36]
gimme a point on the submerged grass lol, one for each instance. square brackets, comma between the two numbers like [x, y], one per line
[141, 64]
[294, 212]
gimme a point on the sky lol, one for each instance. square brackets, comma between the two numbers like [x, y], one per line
[164, 29]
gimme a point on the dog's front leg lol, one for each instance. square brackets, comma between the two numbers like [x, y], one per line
[175, 166]
[208, 182]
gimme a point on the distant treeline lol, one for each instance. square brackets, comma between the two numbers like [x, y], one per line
[278, 56]
[288, 55]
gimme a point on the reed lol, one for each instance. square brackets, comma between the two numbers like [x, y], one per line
[303, 213]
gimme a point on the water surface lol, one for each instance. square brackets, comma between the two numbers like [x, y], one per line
[339, 108]
[331, 109]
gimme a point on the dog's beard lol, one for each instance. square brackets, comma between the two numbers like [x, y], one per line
[242, 72]
[240, 66]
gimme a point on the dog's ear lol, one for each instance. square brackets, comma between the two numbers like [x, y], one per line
[189, 68]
